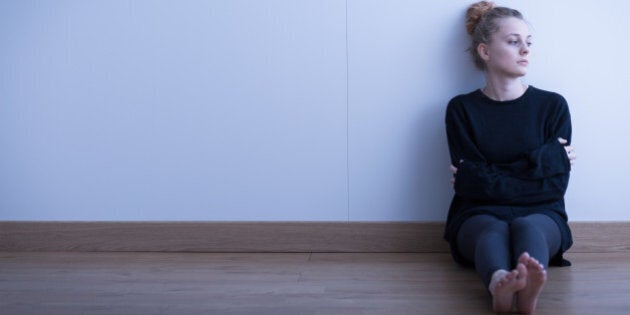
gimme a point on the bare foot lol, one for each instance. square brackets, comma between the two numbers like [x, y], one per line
[536, 278]
[504, 285]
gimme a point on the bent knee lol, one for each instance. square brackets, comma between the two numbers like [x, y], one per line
[521, 224]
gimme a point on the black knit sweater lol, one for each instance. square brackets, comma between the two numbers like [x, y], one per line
[509, 160]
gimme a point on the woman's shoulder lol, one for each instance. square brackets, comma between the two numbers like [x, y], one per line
[546, 95]
[459, 101]
[466, 96]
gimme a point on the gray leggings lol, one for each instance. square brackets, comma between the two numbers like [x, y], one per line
[492, 244]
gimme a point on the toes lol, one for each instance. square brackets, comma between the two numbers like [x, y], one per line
[522, 274]
[524, 258]
[536, 265]
[521, 269]
[505, 280]
[530, 262]
[534, 260]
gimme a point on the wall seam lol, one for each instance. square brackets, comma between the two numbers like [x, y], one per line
[347, 119]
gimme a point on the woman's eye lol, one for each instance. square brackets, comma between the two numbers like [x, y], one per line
[529, 44]
[513, 42]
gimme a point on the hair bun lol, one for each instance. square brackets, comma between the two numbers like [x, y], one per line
[475, 12]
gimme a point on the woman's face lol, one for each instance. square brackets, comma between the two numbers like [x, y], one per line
[508, 52]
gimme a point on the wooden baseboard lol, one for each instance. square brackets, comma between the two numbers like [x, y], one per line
[418, 237]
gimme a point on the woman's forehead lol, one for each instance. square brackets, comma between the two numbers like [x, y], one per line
[513, 26]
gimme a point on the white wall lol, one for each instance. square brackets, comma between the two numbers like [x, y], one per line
[277, 109]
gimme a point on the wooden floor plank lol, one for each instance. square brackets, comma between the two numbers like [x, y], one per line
[287, 283]
[204, 237]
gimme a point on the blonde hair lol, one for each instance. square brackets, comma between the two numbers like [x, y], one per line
[482, 21]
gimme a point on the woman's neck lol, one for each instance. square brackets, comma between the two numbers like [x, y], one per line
[503, 89]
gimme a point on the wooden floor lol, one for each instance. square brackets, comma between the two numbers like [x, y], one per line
[318, 283]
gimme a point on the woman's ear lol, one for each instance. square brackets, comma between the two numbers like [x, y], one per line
[482, 50]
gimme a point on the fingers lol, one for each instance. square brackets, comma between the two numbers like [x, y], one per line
[453, 169]
[571, 154]
[570, 150]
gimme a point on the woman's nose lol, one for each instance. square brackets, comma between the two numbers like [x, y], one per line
[524, 49]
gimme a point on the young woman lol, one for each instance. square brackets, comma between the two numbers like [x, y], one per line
[511, 158]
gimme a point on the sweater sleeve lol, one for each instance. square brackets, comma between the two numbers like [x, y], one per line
[488, 183]
[550, 159]
[536, 176]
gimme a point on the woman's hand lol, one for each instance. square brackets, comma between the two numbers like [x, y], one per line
[454, 171]
[570, 150]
